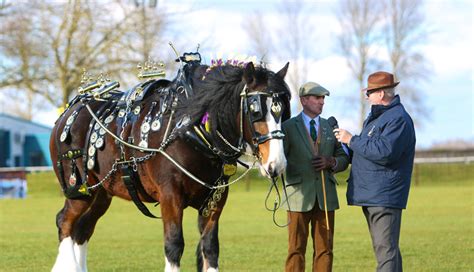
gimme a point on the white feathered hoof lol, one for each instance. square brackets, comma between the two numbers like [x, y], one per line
[66, 259]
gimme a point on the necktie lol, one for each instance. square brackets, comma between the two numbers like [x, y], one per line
[312, 130]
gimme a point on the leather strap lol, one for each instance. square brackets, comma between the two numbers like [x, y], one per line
[129, 178]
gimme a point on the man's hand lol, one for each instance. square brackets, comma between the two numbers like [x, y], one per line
[342, 135]
[322, 162]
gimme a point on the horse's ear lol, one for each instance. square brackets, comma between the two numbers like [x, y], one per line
[249, 72]
[282, 72]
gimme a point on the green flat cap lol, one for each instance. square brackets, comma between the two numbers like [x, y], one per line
[312, 88]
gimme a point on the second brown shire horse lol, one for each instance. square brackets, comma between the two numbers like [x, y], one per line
[178, 145]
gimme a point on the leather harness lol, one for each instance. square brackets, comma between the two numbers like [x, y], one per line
[127, 106]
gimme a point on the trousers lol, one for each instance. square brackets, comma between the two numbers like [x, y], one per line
[301, 224]
[384, 227]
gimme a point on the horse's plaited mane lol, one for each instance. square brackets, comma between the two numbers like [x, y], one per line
[219, 95]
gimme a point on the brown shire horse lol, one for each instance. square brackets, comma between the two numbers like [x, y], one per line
[244, 107]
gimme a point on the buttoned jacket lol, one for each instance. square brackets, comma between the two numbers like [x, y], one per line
[303, 183]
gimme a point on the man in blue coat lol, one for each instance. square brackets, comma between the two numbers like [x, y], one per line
[382, 165]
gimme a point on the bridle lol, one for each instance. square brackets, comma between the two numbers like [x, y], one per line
[255, 110]
[253, 106]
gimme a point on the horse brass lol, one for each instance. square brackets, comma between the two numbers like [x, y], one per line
[205, 212]
[136, 111]
[230, 169]
[145, 127]
[90, 164]
[70, 119]
[91, 151]
[155, 125]
[93, 137]
[99, 143]
[109, 119]
[63, 136]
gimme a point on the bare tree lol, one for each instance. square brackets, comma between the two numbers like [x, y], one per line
[260, 35]
[46, 45]
[297, 37]
[143, 40]
[23, 65]
[291, 42]
[358, 40]
[404, 32]
[4, 7]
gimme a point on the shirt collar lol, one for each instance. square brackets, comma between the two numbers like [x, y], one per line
[377, 110]
[307, 119]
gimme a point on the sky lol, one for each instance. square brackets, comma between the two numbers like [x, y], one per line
[448, 93]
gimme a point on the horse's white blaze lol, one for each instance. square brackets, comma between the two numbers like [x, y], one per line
[169, 267]
[66, 260]
[80, 252]
[276, 161]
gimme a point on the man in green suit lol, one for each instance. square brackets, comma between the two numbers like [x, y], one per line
[313, 154]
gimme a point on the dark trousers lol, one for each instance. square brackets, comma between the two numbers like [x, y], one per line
[298, 231]
[384, 227]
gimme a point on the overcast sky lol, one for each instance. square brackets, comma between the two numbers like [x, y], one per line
[449, 93]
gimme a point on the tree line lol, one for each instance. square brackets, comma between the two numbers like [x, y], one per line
[45, 45]
[374, 35]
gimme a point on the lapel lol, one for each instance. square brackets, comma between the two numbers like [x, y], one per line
[304, 134]
[301, 128]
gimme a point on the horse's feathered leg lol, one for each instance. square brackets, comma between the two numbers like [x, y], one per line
[65, 220]
[207, 252]
[172, 215]
[85, 225]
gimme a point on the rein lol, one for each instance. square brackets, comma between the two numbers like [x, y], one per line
[277, 202]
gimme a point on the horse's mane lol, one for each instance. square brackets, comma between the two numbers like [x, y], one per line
[217, 92]
[218, 96]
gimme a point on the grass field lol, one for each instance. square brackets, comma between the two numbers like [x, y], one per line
[437, 230]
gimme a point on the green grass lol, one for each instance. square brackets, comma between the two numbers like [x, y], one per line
[437, 231]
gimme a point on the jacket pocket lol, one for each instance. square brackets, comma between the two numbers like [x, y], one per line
[374, 187]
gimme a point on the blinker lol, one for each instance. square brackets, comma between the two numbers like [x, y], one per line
[257, 109]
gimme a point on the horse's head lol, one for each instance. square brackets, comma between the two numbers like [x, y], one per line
[265, 105]
[240, 104]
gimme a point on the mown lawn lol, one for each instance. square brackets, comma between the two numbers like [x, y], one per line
[437, 231]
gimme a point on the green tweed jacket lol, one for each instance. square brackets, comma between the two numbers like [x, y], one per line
[303, 183]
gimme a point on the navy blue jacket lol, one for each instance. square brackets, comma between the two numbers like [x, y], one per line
[382, 160]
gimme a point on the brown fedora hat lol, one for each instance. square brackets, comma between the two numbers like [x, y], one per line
[380, 80]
